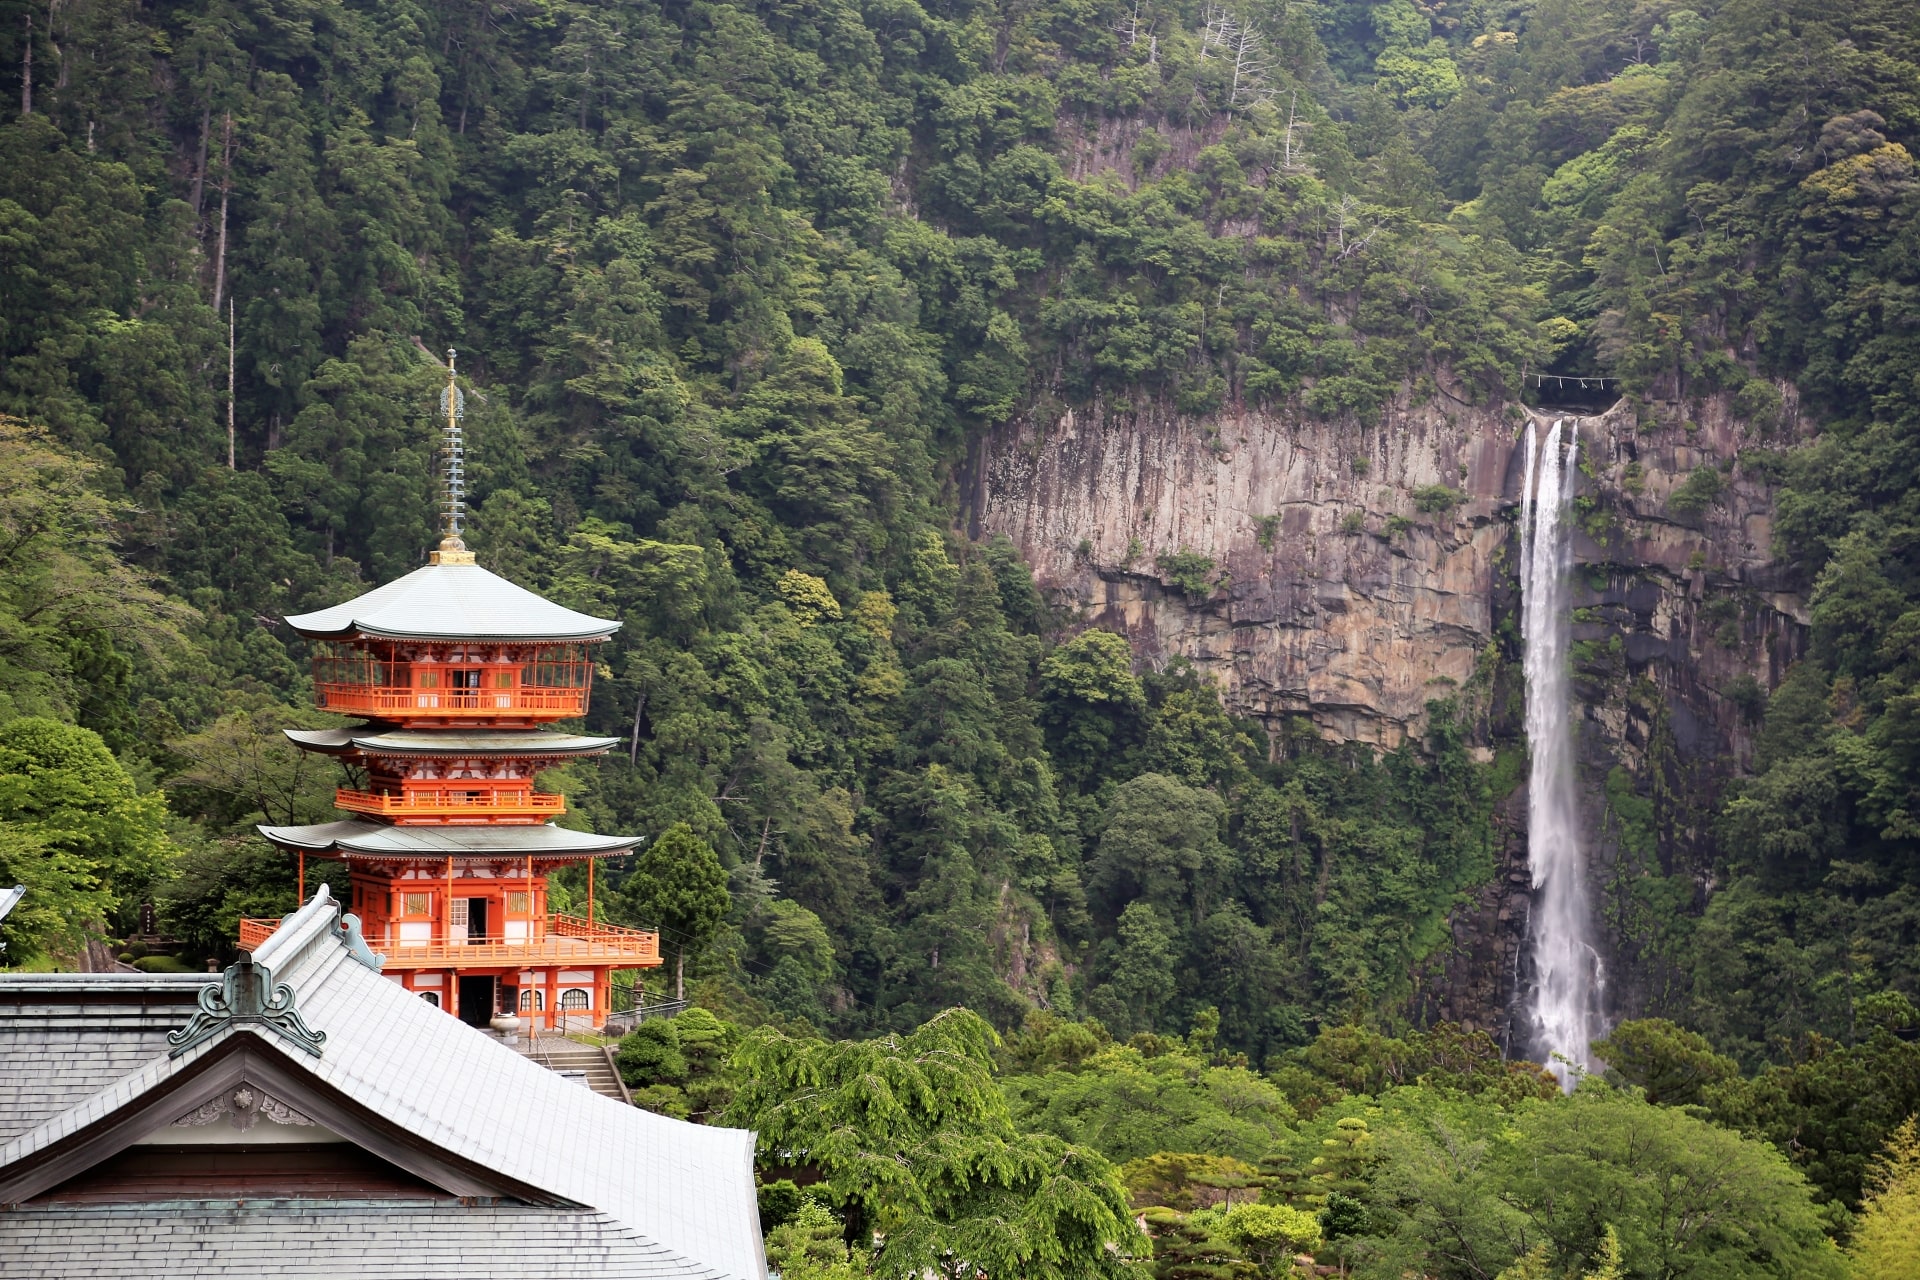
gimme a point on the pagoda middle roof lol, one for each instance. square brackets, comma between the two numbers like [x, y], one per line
[448, 742]
[451, 602]
[362, 838]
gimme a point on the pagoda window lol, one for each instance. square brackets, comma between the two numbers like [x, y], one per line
[431, 997]
[519, 903]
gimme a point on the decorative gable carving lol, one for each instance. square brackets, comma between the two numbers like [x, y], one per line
[243, 1107]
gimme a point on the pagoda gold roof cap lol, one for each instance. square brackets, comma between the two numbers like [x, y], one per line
[451, 599]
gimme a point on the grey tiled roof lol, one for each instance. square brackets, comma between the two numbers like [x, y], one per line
[379, 840]
[451, 742]
[56, 1050]
[452, 602]
[684, 1191]
[252, 1239]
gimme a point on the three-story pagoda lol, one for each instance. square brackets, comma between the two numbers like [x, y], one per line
[458, 675]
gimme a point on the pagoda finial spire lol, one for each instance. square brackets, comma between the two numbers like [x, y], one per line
[453, 510]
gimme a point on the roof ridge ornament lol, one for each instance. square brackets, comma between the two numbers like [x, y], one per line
[348, 931]
[453, 498]
[246, 993]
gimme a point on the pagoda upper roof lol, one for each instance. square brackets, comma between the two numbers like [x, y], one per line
[448, 742]
[451, 602]
[358, 837]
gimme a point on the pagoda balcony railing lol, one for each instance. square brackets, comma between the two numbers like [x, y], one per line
[449, 803]
[391, 701]
[567, 940]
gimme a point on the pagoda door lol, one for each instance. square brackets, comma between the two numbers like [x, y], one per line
[476, 1000]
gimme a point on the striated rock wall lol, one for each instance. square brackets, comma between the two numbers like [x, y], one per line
[1327, 606]
[1350, 587]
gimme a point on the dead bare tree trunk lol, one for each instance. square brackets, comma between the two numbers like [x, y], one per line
[230, 449]
[226, 190]
[26, 72]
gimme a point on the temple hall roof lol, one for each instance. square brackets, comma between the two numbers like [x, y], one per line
[512, 1167]
[451, 602]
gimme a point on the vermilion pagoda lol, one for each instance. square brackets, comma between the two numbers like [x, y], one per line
[457, 672]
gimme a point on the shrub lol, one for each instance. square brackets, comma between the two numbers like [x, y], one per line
[1697, 492]
[1437, 499]
[651, 1055]
[1189, 571]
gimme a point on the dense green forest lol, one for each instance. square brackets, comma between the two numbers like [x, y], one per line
[734, 287]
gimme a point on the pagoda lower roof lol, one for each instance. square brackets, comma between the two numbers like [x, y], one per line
[448, 742]
[353, 837]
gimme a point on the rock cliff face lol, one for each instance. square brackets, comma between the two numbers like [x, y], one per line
[1323, 604]
[1351, 574]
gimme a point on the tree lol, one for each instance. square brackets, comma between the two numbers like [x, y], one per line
[1886, 1238]
[678, 886]
[1092, 702]
[75, 831]
[1143, 1100]
[1599, 1179]
[1674, 1066]
[252, 773]
[810, 1247]
[1269, 1235]
[1685, 1198]
[1139, 971]
[913, 1140]
[1160, 844]
[1183, 1180]
[62, 585]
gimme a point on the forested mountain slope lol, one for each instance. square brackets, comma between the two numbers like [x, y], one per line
[740, 291]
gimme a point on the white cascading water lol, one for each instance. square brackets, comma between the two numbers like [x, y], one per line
[1566, 966]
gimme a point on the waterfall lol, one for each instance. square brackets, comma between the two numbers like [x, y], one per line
[1567, 975]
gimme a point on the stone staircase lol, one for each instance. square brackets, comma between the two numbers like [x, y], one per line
[585, 1064]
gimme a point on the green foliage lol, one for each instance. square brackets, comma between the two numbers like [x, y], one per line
[679, 1066]
[678, 887]
[76, 832]
[1700, 490]
[913, 1138]
[1586, 1176]
[1187, 572]
[808, 1244]
[1437, 499]
[1130, 1103]
[779, 1203]
[73, 615]
[1269, 1235]
[1673, 1066]
[1889, 1222]
[1184, 1181]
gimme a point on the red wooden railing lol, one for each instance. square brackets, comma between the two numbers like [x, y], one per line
[568, 939]
[470, 803]
[391, 701]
